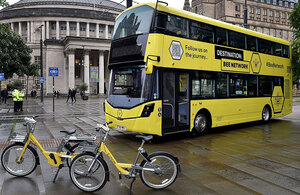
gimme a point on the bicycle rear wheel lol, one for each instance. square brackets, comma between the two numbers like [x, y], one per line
[88, 181]
[27, 164]
[165, 170]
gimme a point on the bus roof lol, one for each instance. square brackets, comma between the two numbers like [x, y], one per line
[214, 22]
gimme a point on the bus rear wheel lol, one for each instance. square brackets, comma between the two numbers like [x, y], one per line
[266, 114]
[201, 124]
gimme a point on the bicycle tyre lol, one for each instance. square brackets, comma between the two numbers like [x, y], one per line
[98, 176]
[163, 162]
[8, 160]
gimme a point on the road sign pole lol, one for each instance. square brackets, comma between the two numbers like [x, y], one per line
[53, 93]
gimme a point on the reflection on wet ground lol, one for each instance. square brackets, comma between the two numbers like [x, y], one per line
[251, 158]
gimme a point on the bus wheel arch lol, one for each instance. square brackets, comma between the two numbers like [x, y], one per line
[202, 122]
[266, 114]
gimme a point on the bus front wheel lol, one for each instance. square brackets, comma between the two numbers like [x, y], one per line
[201, 124]
[266, 114]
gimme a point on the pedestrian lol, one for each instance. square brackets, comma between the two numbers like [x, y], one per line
[58, 94]
[73, 96]
[15, 95]
[69, 94]
[31, 93]
[20, 99]
[55, 93]
[4, 96]
[34, 93]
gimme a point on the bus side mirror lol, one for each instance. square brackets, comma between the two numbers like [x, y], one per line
[149, 66]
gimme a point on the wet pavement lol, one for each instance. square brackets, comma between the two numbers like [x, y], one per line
[251, 158]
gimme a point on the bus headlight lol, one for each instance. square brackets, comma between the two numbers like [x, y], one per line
[148, 109]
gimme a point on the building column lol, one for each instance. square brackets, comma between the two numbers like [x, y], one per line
[71, 59]
[87, 69]
[101, 72]
[20, 29]
[68, 28]
[57, 30]
[28, 32]
[32, 39]
[77, 29]
[87, 29]
[12, 27]
[43, 31]
[97, 30]
[106, 31]
[47, 30]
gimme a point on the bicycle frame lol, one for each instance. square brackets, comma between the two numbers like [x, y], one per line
[121, 166]
[54, 158]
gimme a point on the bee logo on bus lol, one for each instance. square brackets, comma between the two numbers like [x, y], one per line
[255, 63]
[176, 50]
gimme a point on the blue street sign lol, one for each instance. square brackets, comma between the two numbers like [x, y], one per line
[41, 80]
[1, 76]
[53, 71]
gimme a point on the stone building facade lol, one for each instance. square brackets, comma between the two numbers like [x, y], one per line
[270, 17]
[76, 36]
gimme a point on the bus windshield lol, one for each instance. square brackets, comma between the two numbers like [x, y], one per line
[130, 87]
[133, 22]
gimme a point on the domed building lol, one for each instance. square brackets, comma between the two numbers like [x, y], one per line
[76, 37]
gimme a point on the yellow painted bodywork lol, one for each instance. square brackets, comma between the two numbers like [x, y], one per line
[201, 56]
[132, 120]
[120, 166]
[32, 139]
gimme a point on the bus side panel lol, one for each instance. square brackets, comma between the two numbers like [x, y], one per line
[131, 120]
[230, 111]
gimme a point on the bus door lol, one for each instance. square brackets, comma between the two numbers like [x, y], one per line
[175, 95]
[277, 99]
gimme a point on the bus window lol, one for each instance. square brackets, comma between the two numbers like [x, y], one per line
[177, 26]
[265, 86]
[277, 49]
[251, 43]
[238, 85]
[286, 51]
[201, 32]
[160, 23]
[221, 85]
[236, 40]
[265, 46]
[221, 36]
[252, 86]
[133, 22]
[202, 85]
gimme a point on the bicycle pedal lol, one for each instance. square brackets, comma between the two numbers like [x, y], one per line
[120, 176]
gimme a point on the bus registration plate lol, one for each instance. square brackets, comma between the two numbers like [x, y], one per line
[123, 128]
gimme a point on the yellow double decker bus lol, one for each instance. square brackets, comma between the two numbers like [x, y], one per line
[174, 71]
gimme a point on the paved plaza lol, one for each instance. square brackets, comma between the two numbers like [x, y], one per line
[252, 158]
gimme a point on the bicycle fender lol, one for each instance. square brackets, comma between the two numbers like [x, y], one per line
[33, 150]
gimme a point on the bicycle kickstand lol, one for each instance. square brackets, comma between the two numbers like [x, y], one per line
[130, 189]
[59, 168]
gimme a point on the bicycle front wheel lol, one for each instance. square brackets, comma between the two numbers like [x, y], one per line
[161, 172]
[11, 155]
[85, 179]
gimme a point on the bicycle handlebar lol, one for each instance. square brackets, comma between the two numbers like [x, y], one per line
[103, 126]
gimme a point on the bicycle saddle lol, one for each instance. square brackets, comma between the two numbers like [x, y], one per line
[144, 137]
[69, 132]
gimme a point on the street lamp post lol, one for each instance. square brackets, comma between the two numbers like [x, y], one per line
[41, 61]
[245, 15]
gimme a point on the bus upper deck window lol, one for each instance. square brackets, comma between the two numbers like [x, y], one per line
[221, 37]
[177, 26]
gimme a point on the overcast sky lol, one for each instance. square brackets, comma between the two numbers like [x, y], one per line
[173, 3]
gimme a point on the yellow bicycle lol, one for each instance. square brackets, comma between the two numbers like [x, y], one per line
[89, 171]
[21, 159]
